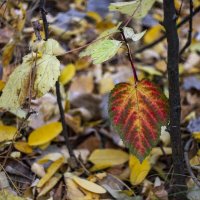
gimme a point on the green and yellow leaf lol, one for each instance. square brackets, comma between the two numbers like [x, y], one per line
[102, 50]
[139, 8]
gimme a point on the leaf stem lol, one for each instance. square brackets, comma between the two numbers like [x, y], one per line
[129, 55]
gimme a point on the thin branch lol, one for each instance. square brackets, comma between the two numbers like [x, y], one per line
[185, 20]
[44, 18]
[186, 152]
[174, 93]
[189, 39]
[129, 56]
[73, 162]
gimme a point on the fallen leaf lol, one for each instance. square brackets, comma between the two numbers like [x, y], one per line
[23, 147]
[44, 134]
[104, 158]
[7, 133]
[67, 73]
[7, 195]
[139, 170]
[153, 33]
[88, 185]
[52, 169]
[50, 184]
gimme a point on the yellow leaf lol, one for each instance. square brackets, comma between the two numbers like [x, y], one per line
[82, 63]
[44, 134]
[88, 185]
[53, 168]
[17, 87]
[196, 135]
[2, 85]
[152, 34]
[8, 53]
[138, 170]
[44, 146]
[47, 73]
[7, 133]
[103, 158]
[50, 184]
[95, 16]
[23, 147]
[67, 74]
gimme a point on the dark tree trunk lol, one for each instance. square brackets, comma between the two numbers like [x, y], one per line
[174, 96]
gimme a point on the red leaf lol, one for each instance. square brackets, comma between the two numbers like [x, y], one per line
[137, 114]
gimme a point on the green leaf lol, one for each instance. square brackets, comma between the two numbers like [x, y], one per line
[17, 87]
[129, 34]
[140, 8]
[47, 73]
[102, 51]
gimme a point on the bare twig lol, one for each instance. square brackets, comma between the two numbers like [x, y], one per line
[174, 93]
[73, 162]
[185, 20]
[189, 39]
[186, 151]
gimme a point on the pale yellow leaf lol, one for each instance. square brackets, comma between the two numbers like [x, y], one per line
[103, 158]
[73, 191]
[52, 47]
[44, 134]
[53, 168]
[67, 73]
[140, 8]
[23, 147]
[7, 133]
[88, 185]
[106, 84]
[17, 87]
[50, 184]
[47, 73]
[139, 170]
[149, 70]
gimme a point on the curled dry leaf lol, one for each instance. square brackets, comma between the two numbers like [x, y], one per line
[44, 134]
